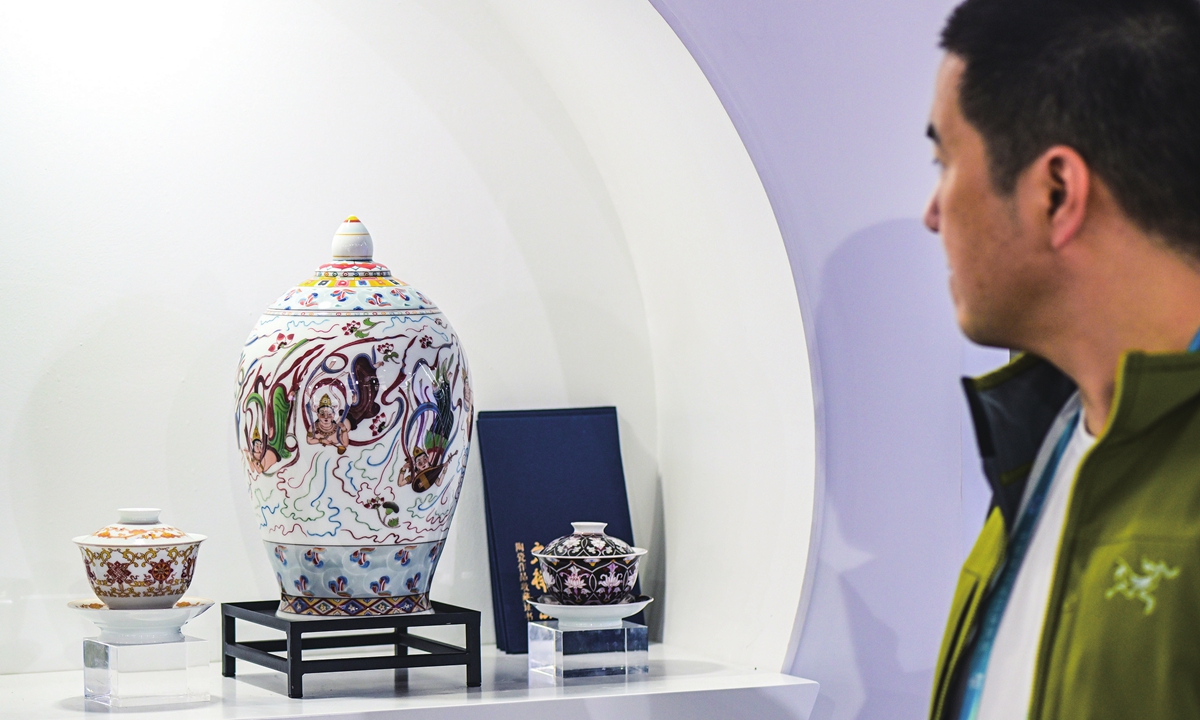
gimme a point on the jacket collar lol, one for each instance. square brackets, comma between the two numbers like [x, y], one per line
[1150, 387]
[1014, 407]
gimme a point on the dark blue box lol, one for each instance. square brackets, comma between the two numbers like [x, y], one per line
[543, 470]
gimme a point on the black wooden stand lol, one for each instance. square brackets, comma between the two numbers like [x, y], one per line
[261, 652]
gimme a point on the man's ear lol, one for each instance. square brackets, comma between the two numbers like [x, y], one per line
[1062, 181]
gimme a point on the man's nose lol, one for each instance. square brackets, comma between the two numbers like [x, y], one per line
[933, 213]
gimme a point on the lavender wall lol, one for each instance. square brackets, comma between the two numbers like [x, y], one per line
[831, 100]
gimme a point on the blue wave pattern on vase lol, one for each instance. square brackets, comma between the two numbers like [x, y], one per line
[353, 571]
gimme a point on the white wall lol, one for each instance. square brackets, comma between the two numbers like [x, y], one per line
[559, 178]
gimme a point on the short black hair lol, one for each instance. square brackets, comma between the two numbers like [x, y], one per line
[1117, 80]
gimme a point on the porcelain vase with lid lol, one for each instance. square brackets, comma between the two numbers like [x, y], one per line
[353, 423]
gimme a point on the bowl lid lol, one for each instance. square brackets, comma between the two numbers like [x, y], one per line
[138, 527]
[588, 540]
[351, 284]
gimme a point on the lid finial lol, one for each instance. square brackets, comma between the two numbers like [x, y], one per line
[589, 528]
[352, 241]
[138, 516]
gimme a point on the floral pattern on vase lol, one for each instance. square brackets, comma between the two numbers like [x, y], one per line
[354, 421]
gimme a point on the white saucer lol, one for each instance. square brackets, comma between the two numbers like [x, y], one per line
[589, 617]
[139, 627]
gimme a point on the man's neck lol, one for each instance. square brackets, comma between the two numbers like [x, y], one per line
[1148, 301]
[1093, 366]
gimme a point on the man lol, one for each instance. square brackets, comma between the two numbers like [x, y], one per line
[1068, 136]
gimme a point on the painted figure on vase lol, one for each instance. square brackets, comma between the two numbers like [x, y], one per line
[264, 453]
[364, 383]
[328, 430]
[433, 423]
[261, 457]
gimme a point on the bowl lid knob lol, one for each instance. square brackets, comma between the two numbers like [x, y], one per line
[138, 516]
[589, 528]
[352, 241]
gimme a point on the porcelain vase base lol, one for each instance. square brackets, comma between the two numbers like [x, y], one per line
[293, 607]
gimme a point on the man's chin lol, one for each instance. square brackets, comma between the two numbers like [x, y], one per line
[982, 333]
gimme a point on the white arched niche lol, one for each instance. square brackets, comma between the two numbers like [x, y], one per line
[559, 177]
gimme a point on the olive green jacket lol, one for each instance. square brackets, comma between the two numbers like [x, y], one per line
[1122, 632]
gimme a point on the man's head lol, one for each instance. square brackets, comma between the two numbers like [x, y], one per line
[1048, 114]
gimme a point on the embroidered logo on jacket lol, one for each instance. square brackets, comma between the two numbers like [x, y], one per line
[1140, 587]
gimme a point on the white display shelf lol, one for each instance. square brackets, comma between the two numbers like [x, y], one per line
[678, 685]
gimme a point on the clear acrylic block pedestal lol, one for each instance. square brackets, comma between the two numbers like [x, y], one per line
[568, 653]
[119, 675]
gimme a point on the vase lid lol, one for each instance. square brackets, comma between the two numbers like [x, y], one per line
[588, 540]
[138, 527]
[352, 283]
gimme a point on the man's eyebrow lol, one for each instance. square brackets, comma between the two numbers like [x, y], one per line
[932, 134]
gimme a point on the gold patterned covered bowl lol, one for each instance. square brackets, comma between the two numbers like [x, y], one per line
[139, 563]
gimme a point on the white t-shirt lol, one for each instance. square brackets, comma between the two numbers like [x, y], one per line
[1008, 687]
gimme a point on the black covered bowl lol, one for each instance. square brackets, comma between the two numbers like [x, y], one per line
[589, 567]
